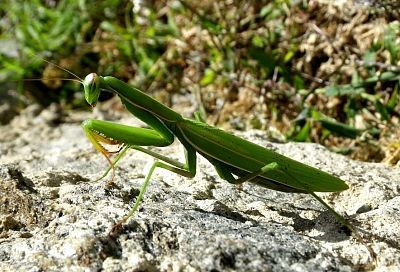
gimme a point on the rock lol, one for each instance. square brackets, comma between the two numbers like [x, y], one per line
[53, 217]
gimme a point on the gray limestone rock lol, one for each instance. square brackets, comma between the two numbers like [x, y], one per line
[54, 217]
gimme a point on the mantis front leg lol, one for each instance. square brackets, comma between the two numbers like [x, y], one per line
[100, 132]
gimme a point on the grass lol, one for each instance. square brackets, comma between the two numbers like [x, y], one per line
[317, 72]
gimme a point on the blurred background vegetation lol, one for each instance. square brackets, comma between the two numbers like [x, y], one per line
[318, 71]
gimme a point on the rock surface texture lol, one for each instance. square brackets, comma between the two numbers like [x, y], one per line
[54, 217]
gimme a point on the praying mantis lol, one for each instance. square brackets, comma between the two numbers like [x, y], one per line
[235, 160]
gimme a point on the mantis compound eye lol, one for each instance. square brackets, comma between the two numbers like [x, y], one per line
[91, 85]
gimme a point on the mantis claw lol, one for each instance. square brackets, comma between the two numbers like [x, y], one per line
[97, 139]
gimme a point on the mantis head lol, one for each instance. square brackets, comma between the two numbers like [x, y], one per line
[91, 85]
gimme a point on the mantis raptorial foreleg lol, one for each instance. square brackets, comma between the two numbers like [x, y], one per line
[98, 131]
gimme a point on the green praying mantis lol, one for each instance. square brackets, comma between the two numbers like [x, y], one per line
[230, 155]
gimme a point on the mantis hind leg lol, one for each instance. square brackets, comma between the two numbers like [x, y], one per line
[225, 172]
[342, 220]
